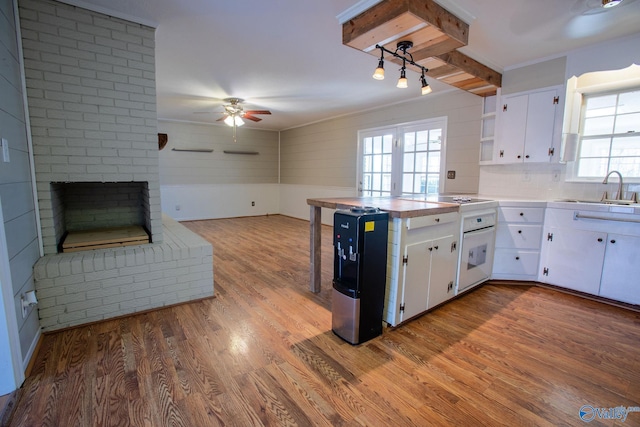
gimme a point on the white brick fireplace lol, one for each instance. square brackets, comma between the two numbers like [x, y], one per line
[90, 82]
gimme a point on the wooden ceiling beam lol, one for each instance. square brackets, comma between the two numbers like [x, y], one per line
[463, 62]
[389, 20]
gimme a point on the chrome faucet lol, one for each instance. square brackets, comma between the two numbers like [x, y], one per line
[618, 195]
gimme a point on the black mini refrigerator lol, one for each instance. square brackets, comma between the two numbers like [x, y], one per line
[359, 273]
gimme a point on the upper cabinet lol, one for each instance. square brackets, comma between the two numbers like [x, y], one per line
[528, 127]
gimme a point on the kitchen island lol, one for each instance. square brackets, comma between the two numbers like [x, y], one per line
[397, 207]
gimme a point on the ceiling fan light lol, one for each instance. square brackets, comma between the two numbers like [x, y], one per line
[610, 3]
[239, 121]
[229, 121]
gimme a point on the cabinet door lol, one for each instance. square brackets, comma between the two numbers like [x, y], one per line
[541, 113]
[621, 270]
[573, 259]
[416, 279]
[443, 271]
[513, 122]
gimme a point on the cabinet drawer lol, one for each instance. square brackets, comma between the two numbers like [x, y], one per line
[427, 221]
[508, 261]
[518, 236]
[511, 214]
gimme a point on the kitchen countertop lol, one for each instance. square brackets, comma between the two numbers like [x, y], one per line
[395, 206]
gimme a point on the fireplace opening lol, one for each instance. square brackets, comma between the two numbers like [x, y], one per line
[95, 215]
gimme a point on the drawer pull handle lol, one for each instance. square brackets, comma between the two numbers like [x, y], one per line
[436, 248]
[599, 239]
[519, 231]
[437, 219]
[517, 258]
[521, 213]
[613, 241]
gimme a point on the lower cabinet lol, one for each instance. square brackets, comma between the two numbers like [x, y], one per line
[621, 269]
[422, 265]
[573, 259]
[596, 256]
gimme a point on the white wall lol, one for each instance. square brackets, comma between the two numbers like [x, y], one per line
[18, 209]
[293, 199]
[211, 201]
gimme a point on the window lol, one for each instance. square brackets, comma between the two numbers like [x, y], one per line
[408, 164]
[610, 135]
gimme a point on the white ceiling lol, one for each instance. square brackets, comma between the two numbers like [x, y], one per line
[287, 55]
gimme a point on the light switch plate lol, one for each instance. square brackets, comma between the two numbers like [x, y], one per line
[5, 150]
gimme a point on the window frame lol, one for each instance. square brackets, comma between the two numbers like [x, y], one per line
[573, 165]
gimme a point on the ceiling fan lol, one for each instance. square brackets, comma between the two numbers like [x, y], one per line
[234, 114]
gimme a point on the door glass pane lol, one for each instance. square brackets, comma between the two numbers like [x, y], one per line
[386, 182]
[434, 162]
[420, 183]
[366, 164]
[387, 144]
[421, 140]
[407, 183]
[386, 162]
[377, 163]
[368, 145]
[409, 142]
[408, 165]
[435, 139]
[421, 162]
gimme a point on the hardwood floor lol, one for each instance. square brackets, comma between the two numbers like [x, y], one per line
[262, 353]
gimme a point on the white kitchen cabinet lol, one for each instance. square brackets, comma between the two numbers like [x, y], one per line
[529, 127]
[597, 251]
[518, 239]
[421, 266]
[573, 258]
[621, 269]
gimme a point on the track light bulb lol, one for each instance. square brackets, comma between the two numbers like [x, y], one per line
[426, 89]
[379, 73]
[402, 81]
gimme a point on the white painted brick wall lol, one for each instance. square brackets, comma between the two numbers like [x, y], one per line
[92, 103]
[89, 286]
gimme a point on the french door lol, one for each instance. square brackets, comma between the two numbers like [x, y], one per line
[405, 159]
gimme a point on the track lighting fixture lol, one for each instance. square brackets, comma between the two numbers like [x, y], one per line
[406, 57]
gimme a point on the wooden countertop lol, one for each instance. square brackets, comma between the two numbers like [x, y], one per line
[396, 206]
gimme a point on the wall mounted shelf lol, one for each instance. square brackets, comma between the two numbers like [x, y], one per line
[194, 150]
[240, 152]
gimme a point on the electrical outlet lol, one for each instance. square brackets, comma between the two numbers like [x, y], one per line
[178, 207]
[25, 307]
[451, 174]
[526, 176]
[555, 177]
[253, 203]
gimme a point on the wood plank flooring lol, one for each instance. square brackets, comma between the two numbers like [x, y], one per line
[262, 353]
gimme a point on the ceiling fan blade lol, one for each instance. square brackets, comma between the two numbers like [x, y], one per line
[257, 112]
[249, 117]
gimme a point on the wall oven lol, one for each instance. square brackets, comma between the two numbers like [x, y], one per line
[478, 235]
